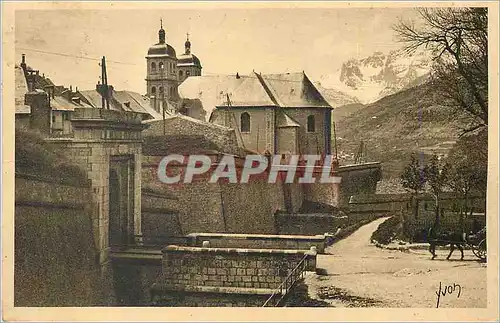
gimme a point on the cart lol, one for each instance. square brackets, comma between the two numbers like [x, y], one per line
[477, 243]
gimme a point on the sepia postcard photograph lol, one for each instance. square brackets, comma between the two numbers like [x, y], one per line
[250, 161]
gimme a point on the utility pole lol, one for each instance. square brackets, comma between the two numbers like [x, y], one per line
[236, 128]
[335, 141]
[104, 88]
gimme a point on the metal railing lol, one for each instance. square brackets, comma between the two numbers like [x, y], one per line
[287, 284]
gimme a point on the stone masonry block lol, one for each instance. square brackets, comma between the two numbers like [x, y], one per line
[221, 271]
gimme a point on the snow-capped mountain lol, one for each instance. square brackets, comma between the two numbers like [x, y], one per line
[335, 97]
[379, 75]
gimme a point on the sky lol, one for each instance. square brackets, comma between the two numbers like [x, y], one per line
[314, 40]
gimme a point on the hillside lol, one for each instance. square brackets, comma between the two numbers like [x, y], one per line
[397, 125]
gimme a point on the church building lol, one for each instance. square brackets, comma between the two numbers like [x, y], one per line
[165, 71]
[277, 113]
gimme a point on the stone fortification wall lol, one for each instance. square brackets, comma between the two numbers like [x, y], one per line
[55, 256]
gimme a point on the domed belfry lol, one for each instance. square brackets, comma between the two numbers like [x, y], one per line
[188, 64]
[161, 79]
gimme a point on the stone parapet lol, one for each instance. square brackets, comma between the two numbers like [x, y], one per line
[258, 241]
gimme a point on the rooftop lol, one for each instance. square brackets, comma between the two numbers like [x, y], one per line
[290, 90]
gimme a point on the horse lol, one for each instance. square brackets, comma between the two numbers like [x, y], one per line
[453, 239]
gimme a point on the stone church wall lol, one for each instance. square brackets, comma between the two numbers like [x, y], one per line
[288, 140]
[309, 143]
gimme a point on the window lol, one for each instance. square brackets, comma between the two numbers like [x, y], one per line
[153, 90]
[311, 124]
[161, 66]
[53, 119]
[161, 89]
[180, 73]
[153, 66]
[245, 122]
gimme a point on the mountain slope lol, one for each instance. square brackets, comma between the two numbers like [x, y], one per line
[376, 76]
[397, 125]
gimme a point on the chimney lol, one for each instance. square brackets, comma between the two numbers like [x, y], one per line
[50, 89]
[237, 75]
[23, 62]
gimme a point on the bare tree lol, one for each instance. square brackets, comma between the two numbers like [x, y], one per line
[458, 41]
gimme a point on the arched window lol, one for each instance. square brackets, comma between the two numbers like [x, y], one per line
[311, 124]
[245, 122]
[161, 89]
[153, 66]
[153, 90]
[161, 66]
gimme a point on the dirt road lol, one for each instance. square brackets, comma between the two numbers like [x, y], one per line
[355, 273]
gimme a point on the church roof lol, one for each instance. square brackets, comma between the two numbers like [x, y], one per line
[188, 60]
[212, 91]
[284, 121]
[294, 90]
[161, 50]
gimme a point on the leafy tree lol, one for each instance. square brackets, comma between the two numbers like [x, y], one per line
[436, 173]
[458, 41]
[468, 171]
[413, 176]
[413, 179]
